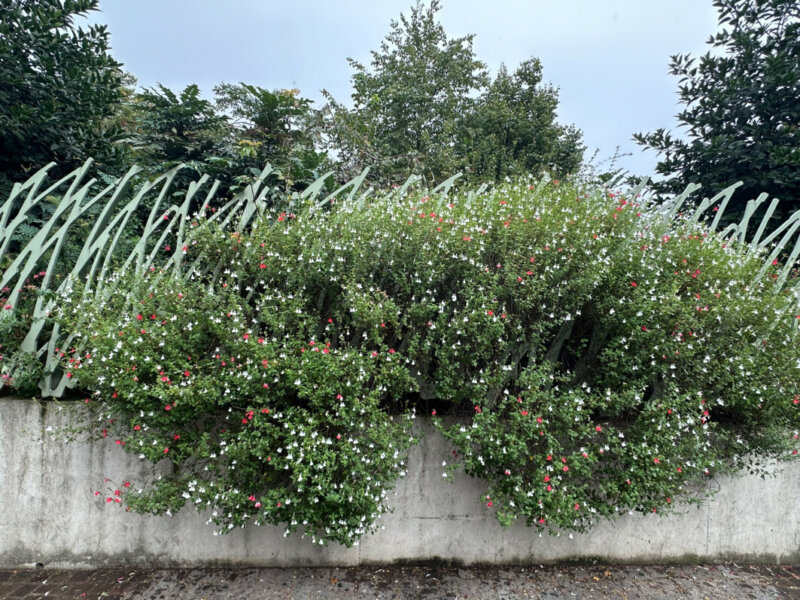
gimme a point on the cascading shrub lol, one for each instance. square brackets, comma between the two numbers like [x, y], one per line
[600, 357]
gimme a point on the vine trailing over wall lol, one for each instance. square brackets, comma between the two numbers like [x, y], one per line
[604, 355]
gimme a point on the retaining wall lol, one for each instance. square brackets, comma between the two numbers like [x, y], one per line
[50, 515]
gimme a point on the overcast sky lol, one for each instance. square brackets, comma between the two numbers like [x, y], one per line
[609, 58]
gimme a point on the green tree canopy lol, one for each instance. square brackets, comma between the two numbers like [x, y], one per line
[408, 109]
[57, 85]
[741, 115]
[513, 130]
[175, 128]
[277, 127]
[426, 105]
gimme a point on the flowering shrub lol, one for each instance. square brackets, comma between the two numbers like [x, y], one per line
[602, 358]
[20, 370]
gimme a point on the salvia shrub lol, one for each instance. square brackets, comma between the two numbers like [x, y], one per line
[596, 357]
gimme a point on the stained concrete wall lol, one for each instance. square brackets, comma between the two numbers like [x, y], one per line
[49, 515]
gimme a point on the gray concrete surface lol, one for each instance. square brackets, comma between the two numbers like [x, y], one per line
[720, 582]
[50, 515]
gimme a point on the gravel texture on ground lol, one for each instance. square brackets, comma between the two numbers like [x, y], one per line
[712, 582]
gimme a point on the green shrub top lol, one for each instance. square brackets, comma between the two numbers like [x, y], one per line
[600, 357]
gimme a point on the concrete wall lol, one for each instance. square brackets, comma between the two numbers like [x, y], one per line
[49, 515]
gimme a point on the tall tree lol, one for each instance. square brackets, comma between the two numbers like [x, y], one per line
[172, 128]
[57, 85]
[426, 105]
[513, 130]
[277, 127]
[742, 115]
[408, 108]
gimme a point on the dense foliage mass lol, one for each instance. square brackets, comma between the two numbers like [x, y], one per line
[601, 358]
[741, 117]
[58, 84]
[426, 105]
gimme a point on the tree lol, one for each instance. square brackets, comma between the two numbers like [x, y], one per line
[171, 129]
[276, 127]
[427, 106]
[513, 130]
[409, 108]
[741, 115]
[57, 84]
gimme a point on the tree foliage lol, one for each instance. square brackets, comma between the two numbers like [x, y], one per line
[741, 115]
[513, 130]
[425, 105]
[409, 107]
[277, 127]
[57, 84]
[177, 128]
[230, 138]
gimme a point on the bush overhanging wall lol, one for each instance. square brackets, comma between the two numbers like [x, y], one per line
[603, 354]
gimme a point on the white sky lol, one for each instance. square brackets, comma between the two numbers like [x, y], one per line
[609, 58]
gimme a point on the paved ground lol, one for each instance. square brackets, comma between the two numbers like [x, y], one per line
[550, 582]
